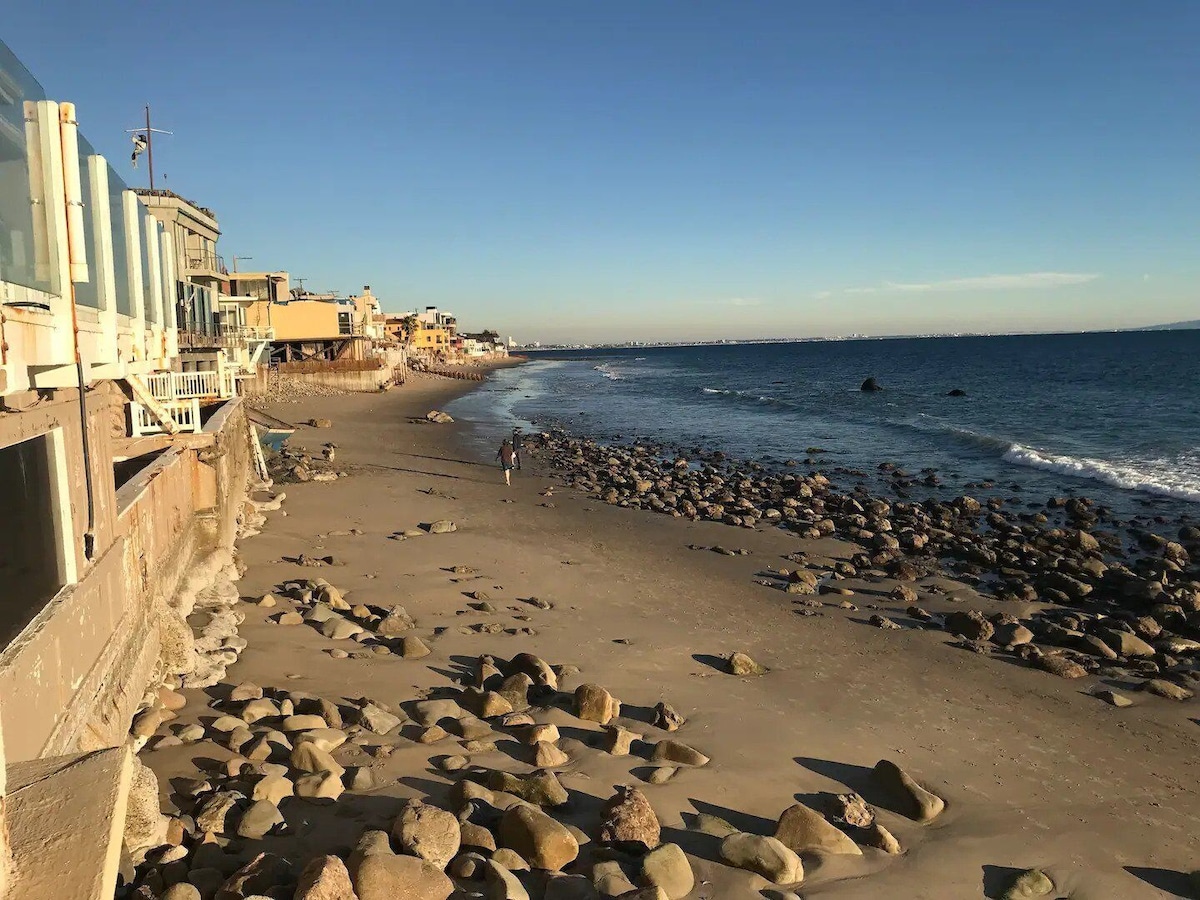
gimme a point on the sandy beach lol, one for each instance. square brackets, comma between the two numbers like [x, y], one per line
[1034, 771]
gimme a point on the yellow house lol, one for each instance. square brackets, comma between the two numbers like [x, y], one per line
[431, 337]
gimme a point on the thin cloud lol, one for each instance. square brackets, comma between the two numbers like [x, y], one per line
[744, 301]
[1022, 282]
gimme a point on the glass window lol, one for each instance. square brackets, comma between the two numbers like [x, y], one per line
[148, 222]
[18, 257]
[116, 213]
[86, 292]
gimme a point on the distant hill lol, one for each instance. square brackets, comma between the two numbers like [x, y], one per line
[1173, 326]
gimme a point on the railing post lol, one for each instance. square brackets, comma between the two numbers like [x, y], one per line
[54, 199]
[133, 268]
[104, 268]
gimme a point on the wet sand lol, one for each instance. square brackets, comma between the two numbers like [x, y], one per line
[1034, 771]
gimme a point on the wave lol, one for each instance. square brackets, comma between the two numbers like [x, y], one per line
[753, 397]
[1162, 477]
[607, 371]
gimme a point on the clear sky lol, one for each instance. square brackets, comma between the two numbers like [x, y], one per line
[653, 169]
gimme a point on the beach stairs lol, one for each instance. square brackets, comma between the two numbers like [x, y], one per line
[169, 402]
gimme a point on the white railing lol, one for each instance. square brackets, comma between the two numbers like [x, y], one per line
[247, 333]
[185, 413]
[212, 385]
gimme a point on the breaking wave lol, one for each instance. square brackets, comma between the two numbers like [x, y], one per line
[1164, 478]
[609, 372]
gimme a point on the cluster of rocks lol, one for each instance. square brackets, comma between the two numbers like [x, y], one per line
[287, 389]
[437, 417]
[503, 835]
[299, 465]
[1108, 587]
[379, 631]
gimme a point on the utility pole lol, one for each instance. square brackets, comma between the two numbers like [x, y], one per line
[147, 137]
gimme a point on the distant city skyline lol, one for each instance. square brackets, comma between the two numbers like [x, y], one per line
[676, 170]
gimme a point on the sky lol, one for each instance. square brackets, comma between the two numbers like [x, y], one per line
[661, 170]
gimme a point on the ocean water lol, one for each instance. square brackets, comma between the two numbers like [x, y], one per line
[1113, 416]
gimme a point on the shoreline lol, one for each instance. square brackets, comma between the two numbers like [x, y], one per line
[1034, 771]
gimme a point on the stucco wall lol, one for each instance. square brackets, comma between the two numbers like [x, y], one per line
[75, 676]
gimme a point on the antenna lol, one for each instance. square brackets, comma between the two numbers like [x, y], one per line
[143, 140]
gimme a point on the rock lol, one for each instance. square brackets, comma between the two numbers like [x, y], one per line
[956, 392]
[618, 740]
[259, 709]
[454, 763]
[431, 712]
[805, 831]
[325, 878]
[1112, 698]
[1012, 634]
[185, 891]
[1029, 884]
[515, 689]
[741, 664]
[337, 628]
[629, 819]
[428, 832]
[412, 647]
[1060, 666]
[540, 789]
[320, 786]
[849, 809]
[266, 872]
[764, 856]
[289, 618]
[870, 385]
[661, 775]
[548, 756]
[511, 860]
[910, 798]
[535, 734]
[320, 423]
[536, 668]
[501, 883]
[542, 841]
[675, 753]
[570, 887]
[145, 825]
[384, 876]
[881, 839]
[883, 622]
[1166, 689]
[442, 526]
[1125, 643]
[216, 812]
[395, 623]
[433, 734]
[472, 835]
[970, 624]
[594, 704]
[666, 718]
[328, 739]
[146, 722]
[308, 757]
[667, 867]
[377, 720]
[361, 778]
[610, 880]
[273, 788]
[260, 819]
[247, 690]
[438, 417]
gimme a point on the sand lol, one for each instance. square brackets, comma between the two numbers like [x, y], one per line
[1034, 771]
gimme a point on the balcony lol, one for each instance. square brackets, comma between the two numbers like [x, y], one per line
[205, 265]
[244, 335]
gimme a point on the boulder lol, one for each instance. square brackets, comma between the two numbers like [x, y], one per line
[594, 704]
[881, 839]
[266, 872]
[1167, 689]
[308, 757]
[540, 789]
[741, 664]
[325, 878]
[666, 718]
[910, 798]
[971, 624]
[442, 526]
[501, 883]
[438, 417]
[849, 809]
[674, 753]
[1028, 885]
[385, 876]
[667, 868]
[570, 887]
[629, 820]
[1060, 666]
[544, 842]
[428, 832]
[764, 856]
[871, 385]
[259, 820]
[806, 831]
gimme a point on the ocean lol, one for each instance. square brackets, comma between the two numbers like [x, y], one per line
[1111, 416]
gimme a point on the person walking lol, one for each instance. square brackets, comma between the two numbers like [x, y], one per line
[507, 457]
[516, 444]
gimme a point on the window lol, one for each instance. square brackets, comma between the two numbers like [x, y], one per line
[345, 323]
[36, 556]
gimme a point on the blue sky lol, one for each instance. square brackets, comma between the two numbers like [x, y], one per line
[673, 169]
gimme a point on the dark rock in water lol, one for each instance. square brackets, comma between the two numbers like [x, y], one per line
[957, 392]
[871, 385]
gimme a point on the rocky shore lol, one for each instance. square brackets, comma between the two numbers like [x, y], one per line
[1110, 598]
[414, 682]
